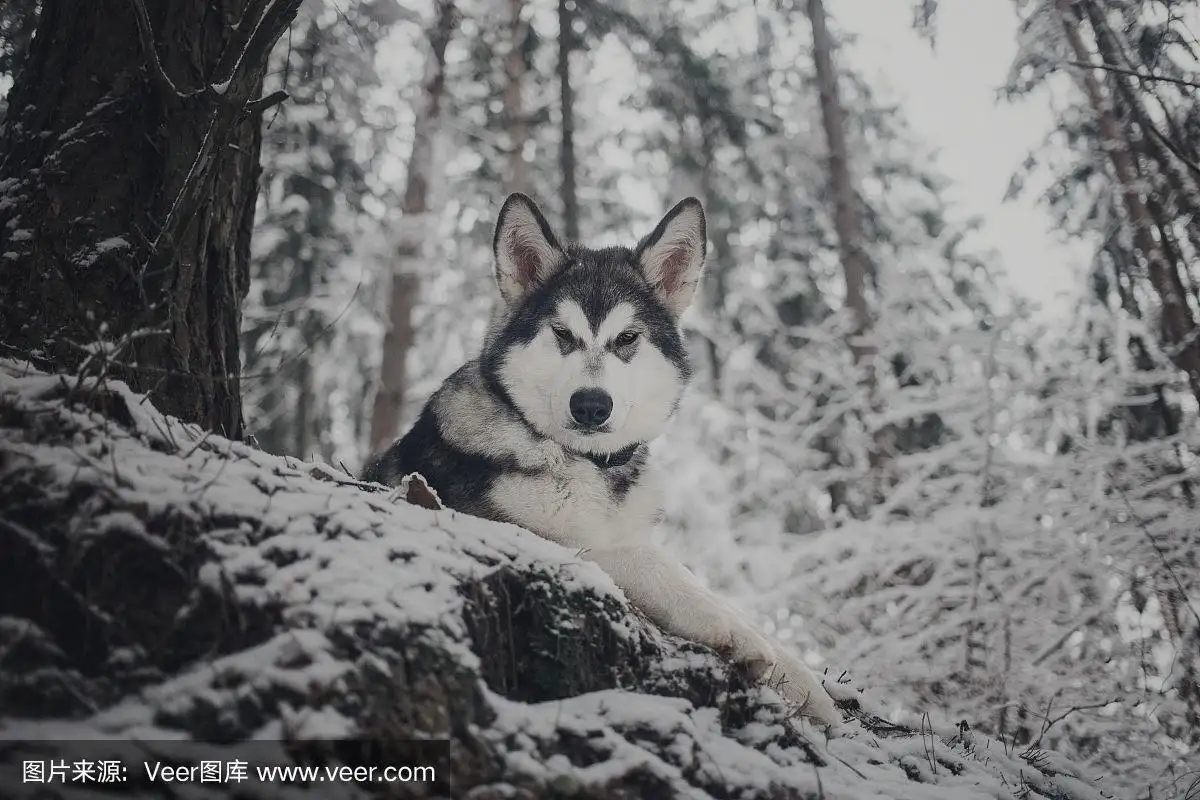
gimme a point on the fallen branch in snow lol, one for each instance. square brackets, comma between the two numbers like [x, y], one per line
[160, 582]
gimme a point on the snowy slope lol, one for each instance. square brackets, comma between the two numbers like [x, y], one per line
[165, 584]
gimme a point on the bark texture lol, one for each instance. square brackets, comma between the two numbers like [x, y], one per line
[1178, 328]
[128, 178]
[410, 250]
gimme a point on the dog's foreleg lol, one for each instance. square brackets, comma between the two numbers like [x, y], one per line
[676, 601]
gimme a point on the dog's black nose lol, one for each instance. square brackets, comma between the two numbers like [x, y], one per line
[591, 407]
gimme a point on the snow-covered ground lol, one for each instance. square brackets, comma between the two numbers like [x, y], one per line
[173, 585]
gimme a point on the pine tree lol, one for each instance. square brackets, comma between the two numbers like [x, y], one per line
[1177, 322]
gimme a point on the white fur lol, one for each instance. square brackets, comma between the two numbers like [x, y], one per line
[671, 595]
[467, 420]
[569, 501]
[574, 509]
[541, 381]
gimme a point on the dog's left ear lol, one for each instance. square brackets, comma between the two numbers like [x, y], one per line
[672, 256]
[525, 250]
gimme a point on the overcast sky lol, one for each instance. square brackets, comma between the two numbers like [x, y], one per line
[949, 96]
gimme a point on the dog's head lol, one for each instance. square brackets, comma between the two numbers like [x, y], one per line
[586, 343]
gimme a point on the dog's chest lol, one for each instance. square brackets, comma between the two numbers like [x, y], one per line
[577, 504]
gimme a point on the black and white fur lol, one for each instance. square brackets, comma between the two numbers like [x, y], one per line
[582, 366]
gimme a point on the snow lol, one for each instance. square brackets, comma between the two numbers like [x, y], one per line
[355, 581]
[112, 243]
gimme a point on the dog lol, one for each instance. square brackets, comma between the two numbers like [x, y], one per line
[549, 428]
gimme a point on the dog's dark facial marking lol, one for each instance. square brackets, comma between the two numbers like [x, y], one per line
[597, 280]
[625, 338]
[567, 342]
[625, 345]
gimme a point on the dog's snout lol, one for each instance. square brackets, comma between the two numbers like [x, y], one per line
[591, 407]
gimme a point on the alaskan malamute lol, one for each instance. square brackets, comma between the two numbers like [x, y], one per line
[550, 427]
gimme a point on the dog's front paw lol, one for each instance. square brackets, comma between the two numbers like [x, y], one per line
[788, 676]
[798, 685]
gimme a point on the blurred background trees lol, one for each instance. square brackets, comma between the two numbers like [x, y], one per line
[981, 511]
[974, 508]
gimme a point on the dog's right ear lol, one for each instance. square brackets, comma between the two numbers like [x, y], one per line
[525, 250]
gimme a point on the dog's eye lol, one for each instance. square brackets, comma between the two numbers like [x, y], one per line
[563, 335]
[627, 338]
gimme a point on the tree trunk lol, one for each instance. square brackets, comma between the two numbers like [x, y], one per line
[410, 249]
[566, 43]
[304, 409]
[129, 167]
[846, 220]
[393, 372]
[514, 99]
[1179, 193]
[720, 263]
[1177, 325]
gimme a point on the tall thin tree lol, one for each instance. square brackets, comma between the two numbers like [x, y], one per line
[1178, 328]
[411, 247]
[566, 43]
[846, 219]
[514, 97]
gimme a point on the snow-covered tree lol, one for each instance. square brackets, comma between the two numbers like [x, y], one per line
[309, 330]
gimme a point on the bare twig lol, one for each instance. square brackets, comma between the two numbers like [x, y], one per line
[1087, 619]
[146, 35]
[928, 744]
[246, 25]
[1167, 143]
[1049, 722]
[263, 103]
[275, 20]
[243, 56]
[1136, 74]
